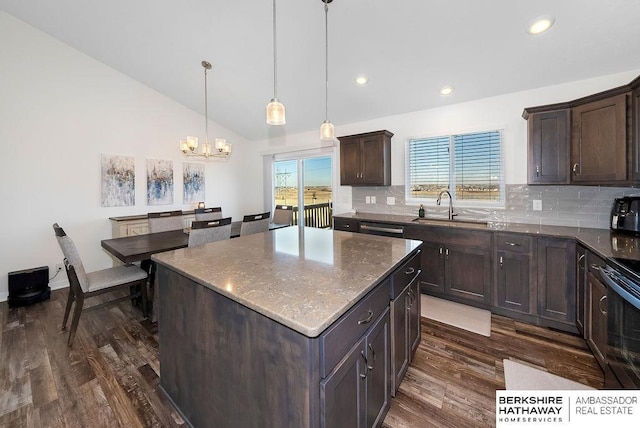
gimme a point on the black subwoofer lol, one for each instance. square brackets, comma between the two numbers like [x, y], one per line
[28, 286]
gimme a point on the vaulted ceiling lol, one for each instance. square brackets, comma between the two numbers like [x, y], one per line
[408, 49]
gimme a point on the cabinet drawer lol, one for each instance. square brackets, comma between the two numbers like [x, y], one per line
[345, 224]
[346, 331]
[404, 275]
[513, 242]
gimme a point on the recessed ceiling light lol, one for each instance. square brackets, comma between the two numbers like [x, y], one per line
[541, 24]
[446, 90]
[362, 80]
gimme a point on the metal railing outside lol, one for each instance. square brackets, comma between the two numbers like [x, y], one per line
[317, 215]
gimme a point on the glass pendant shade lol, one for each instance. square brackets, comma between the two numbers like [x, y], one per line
[275, 113]
[192, 142]
[327, 131]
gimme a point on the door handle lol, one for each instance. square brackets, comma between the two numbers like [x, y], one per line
[366, 366]
[537, 170]
[409, 271]
[373, 354]
[575, 169]
[500, 262]
[512, 244]
[603, 298]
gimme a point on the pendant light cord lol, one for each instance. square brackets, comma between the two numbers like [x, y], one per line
[326, 70]
[206, 113]
[275, 55]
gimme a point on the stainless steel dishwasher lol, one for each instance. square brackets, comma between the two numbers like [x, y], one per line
[382, 229]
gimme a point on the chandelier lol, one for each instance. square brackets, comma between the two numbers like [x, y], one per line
[220, 149]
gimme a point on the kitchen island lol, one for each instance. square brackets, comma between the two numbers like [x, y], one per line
[283, 328]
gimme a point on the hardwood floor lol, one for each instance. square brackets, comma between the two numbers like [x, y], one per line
[109, 378]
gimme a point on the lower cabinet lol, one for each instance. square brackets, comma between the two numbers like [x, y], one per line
[405, 338]
[357, 392]
[557, 281]
[455, 263]
[515, 273]
[596, 310]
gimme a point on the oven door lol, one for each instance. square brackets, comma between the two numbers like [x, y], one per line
[623, 329]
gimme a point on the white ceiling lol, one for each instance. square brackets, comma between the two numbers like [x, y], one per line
[409, 49]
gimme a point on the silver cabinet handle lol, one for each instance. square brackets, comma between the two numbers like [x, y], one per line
[600, 305]
[537, 170]
[440, 250]
[500, 262]
[575, 169]
[409, 271]
[512, 244]
[581, 258]
[373, 354]
[595, 266]
[347, 226]
[367, 319]
[446, 252]
[366, 366]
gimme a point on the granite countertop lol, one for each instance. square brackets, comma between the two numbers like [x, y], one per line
[603, 242]
[304, 278]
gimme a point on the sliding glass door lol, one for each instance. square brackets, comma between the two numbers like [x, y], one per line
[306, 183]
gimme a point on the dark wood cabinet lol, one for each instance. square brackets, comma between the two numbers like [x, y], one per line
[514, 273]
[581, 280]
[405, 319]
[455, 263]
[597, 329]
[548, 161]
[635, 128]
[556, 280]
[357, 392]
[599, 141]
[365, 159]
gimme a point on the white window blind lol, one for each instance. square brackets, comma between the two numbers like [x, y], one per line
[468, 165]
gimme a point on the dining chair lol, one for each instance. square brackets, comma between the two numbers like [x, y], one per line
[203, 232]
[255, 223]
[165, 221]
[83, 285]
[283, 214]
[203, 214]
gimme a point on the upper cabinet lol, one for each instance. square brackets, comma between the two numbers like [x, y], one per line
[599, 141]
[365, 159]
[549, 147]
[635, 130]
[589, 141]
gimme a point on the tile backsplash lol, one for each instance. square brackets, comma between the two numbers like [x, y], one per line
[577, 206]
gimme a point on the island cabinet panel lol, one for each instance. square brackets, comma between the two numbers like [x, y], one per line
[214, 350]
[549, 147]
[405, 319]
[357, 392]
[556, 281]
[599, 141]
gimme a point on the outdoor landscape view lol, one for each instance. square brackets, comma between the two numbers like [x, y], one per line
[317, 181]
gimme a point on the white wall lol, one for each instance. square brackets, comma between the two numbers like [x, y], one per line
[59, 111]
[504, 112]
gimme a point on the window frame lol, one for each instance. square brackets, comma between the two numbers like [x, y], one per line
[431, 200]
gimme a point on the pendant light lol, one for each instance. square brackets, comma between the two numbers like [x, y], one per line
[326, 129]
[275, 109]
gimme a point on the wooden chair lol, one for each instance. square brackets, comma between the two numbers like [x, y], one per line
[203, 232]
[283, 214]
[203, 214]
[83, 285]
[255, 223]
[165, 221]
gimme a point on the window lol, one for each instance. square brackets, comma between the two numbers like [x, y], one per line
[468, 165]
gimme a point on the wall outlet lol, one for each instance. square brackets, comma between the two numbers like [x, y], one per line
[537, 205]
[391, 200]
[59, 267]
[373, 199]
[367, 199]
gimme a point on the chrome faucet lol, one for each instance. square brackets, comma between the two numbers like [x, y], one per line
[451, 214]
